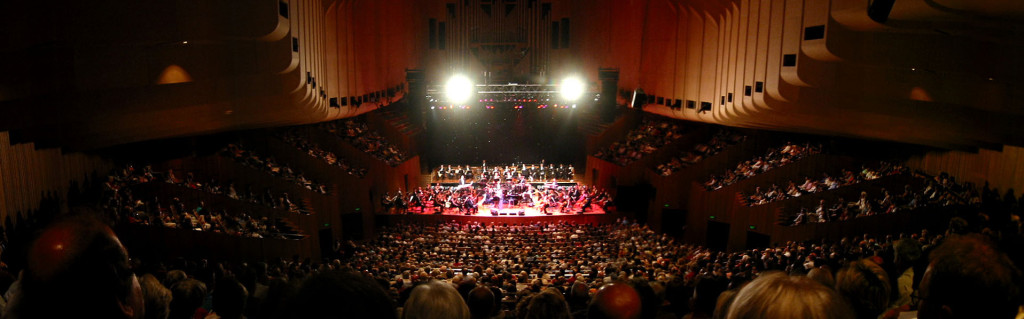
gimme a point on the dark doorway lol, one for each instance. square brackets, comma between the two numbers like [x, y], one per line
[718, 235]
[352, 226]
[757, 240]
[327, 243]
[673, 222]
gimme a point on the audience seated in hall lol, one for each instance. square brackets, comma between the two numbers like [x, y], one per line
[270, 166]
[645, 139]
[765, 195]
[129, 176]
[722, 139]
[534, 270]
[328, 157]
[775, 157]
[121, 204]
[357, 132]
[940, 191]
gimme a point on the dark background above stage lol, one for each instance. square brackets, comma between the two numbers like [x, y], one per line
[503, 135]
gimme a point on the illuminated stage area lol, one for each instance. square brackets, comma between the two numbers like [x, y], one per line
[500, 199]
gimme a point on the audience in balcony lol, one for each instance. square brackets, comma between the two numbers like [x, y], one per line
[942, 190]
[121, 204]
[270, 166]
[359, 134]
[761, 196]
[129, 176]
[774, 158]
[645, 139]
[722, 139]
[319, 153]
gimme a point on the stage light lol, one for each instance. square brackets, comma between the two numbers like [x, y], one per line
[572, 88]
[459, 89]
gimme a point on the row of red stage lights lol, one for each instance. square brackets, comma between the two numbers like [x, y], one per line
[491, 107]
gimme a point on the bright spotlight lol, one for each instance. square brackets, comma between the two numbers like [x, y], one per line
[458, 89]
[572, 88]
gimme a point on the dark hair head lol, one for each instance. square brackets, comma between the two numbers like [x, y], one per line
[481, 302]
[341, 294]
[548, 304]
[187, 296]
[229, 298]
[865, 285]
[969, 278]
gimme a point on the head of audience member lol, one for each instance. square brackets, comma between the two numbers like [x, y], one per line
[822, 275]
[724, 302]
[705, 295]
[174, 276]
[907, 252]
[615, 301]
[229, 298]
[481, 302]
[78, 266]
[968, 277]
[341, 294]
[865, 285]
[187, 296]
[578, 296]
[649, 301]
[157, 297]
[547, 304]
[777, 295]
[435, 300]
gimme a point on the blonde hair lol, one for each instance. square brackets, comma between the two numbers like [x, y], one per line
[435, 300]
[777, 295]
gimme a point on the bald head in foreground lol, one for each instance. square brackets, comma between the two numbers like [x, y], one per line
[78, 266]
[615, 301]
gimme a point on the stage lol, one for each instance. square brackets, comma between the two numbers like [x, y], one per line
[506, 211]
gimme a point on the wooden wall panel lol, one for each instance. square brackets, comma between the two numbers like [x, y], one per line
[1002, 169]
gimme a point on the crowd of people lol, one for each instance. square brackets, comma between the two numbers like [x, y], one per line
[121, 204]
[359, 134]
[775, 157]
[324, 155]
[761, 196]
[722, 139]
[938, 191]
[514, 172]
[645, 139]
[537, 270]
[270, 166]
[495, 195]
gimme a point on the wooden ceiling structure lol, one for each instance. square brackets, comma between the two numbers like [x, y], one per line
[85, 75]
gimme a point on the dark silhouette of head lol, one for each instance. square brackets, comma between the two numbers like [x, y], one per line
[78, 266]
[865, 285]
[229, 298]
[968, 277]
[548, 304]
[615, 301]
[481, 302]
[341, 294]
[186, 296]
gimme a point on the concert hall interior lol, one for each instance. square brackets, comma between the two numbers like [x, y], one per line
[530, 153]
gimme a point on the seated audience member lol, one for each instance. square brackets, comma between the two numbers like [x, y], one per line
[865, 285]
[157, 297]
[229, 299]
[481, 303]
[341, 294]
[907, 253]
[187, 297]
[968, 277]
[547, 304]
[78, 268]
[435, 300]
[615, 301]
[777, 295]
